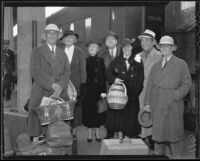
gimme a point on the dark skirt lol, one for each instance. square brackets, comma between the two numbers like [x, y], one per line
[91, 118]
[125, 120]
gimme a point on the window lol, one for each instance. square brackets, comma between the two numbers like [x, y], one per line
[15, 30]
[113, 16]
[88, 23]
[72, 26]
[186, 4]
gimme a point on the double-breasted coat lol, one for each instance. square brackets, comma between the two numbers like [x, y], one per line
[78, 77]
[95, 85]
[165, 91]
[153, 57]
[46, 70]
[126, 120]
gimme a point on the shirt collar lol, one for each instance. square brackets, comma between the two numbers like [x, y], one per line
[169, 57]
[50, 47]
[70, 48]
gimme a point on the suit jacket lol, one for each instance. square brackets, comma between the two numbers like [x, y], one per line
[165, 91]
[78, 68]
[153, 57]
[47, 70]
[106, 56]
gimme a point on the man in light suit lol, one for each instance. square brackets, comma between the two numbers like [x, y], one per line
[111, 52]
[169, 82]
[77, 61]
[150, 56]
[49, 67]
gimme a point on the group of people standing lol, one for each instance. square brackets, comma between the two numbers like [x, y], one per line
[150, 85]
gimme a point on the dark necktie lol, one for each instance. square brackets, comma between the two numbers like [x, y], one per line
[53, 53]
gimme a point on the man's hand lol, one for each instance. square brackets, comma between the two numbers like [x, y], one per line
[147, 108]
[118, 81]
[55, 94]
[56, 87]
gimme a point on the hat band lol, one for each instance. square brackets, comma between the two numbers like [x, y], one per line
[149, 35]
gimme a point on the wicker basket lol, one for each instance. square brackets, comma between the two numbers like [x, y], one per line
[54, 112]
[117, 96]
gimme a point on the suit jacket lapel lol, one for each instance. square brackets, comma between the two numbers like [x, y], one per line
[73, 56]
[47, 54]
[55, 61]
[168, 67]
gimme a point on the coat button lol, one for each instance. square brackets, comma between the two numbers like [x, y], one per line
[123, 72]
[132, 75]
[95, 80]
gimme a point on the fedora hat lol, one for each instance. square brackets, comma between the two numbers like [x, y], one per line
[93, 42]
[54, 28]
[126, 42]
[111, 33]
[145, 118]
[69, 32]
[147, 34]
[167, 40]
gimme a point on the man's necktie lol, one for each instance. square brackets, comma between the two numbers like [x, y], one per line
[164, 62]
[112, 53]
[53, 53]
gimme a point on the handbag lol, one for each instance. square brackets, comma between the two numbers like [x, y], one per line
[63, 110]
[102, 105]
[59, 134]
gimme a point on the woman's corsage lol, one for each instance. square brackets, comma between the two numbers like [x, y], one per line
[138, 58]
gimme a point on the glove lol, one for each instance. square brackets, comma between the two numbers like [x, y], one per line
[103, 95]
[83, 90]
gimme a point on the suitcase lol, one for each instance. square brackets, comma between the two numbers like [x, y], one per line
[113, 147]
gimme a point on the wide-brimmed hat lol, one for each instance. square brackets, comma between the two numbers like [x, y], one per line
[69, 32]
[167, 40]
[126, 42]
[145, 118]
[54, 28]
[111, 33]
[93, 42]
[147, 34]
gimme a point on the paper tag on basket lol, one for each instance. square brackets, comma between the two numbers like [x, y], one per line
[46, 101]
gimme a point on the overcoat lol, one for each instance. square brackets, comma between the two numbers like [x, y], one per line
[95, 85]
[165, 91]
[153, 57]
[46, 70]
[126, 120]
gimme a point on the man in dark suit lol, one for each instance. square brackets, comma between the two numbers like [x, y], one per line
[108, 55]
[49, 67]
[112, 49]
[9, 67]
[77, 61]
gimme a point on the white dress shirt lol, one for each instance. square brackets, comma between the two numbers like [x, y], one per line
[54, 48]
[114, 51]
[69, 52]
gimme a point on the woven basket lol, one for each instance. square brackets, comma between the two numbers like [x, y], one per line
[54, 112]
[117, 96]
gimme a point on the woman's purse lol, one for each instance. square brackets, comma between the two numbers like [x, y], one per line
[102, 105]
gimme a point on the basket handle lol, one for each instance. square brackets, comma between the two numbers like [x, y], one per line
[55, 99]
[121, 84]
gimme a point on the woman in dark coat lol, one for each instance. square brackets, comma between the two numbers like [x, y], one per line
[95, 87]
[126, 68]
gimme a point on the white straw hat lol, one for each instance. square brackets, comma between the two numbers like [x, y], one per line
[52, 27]
[167, 40]
[147, 33]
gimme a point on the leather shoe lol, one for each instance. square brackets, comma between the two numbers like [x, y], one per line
[89, 140]
[98, 139]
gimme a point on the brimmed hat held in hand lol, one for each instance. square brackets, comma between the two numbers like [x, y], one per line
[145, 118]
